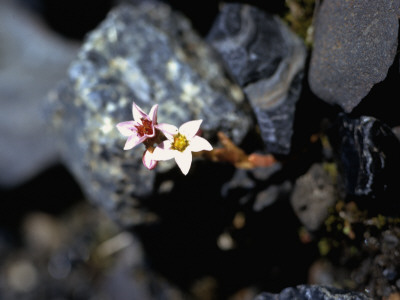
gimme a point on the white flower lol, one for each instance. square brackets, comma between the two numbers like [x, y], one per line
[142, 127]
[180, 144]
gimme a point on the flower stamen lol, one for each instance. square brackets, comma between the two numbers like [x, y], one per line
[180, 142]
[145, 128]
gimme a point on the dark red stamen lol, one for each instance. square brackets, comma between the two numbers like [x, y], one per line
[145, 128]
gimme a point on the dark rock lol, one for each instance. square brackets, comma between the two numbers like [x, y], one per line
[313, 194]
[389, 273]
[241, 181]
[272, 193]
[390, 240]
[148, 54]
[396, 131]
[314, 292]
[267, 60]
[28, 48]
[247, 184]
[368, 153]
[354, 45]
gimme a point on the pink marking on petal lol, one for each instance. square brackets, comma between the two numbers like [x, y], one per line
[133, 141]
[138, 113]
[148, 161]
[153, 114]
[183, 160]
[127, 128]
[199, 144]
[168, 130]
[189, 129]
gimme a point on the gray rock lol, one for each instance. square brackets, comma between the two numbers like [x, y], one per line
[148, 54]
[354, 45]
[267, 60]
[32, 60]
[313, 194]
[314, 292]
[251, 186]
[271, 194]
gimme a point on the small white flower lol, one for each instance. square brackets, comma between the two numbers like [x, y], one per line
[180, 144]
[142, 127]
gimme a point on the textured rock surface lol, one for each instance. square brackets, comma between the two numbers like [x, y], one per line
[312, 196]
[267, 60]
[28, 48]
[380, 271]
[368, 155]
[354, 45]
[306, 292]
[148, 54]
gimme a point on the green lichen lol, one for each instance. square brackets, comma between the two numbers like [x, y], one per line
[299, 17]
[346, 230]
[331, 169]
[324, 247]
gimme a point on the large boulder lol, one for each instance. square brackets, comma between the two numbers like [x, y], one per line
[148, 54]
[355, 43]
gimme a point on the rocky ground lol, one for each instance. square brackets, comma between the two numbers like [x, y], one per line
[298, 199]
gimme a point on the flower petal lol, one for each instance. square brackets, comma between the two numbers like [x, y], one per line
[189, 129]
[199, 144]
[148, 161]
[133, 141]
[184, 160]
[138, 113]
[163, 151]
[168, 130]
[153, 114]
[127, 128]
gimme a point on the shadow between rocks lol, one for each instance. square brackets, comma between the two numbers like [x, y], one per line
[183, 245]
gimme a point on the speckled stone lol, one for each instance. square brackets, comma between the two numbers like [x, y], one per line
[315, 292]
[313, 194]
[355, 43]
[149, 54]
[267, 60]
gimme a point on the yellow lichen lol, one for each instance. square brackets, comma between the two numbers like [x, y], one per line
[300, 18]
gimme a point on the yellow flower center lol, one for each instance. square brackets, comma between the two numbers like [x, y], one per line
[180, 142]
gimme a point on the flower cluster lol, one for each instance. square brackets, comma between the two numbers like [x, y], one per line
[171, 142]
